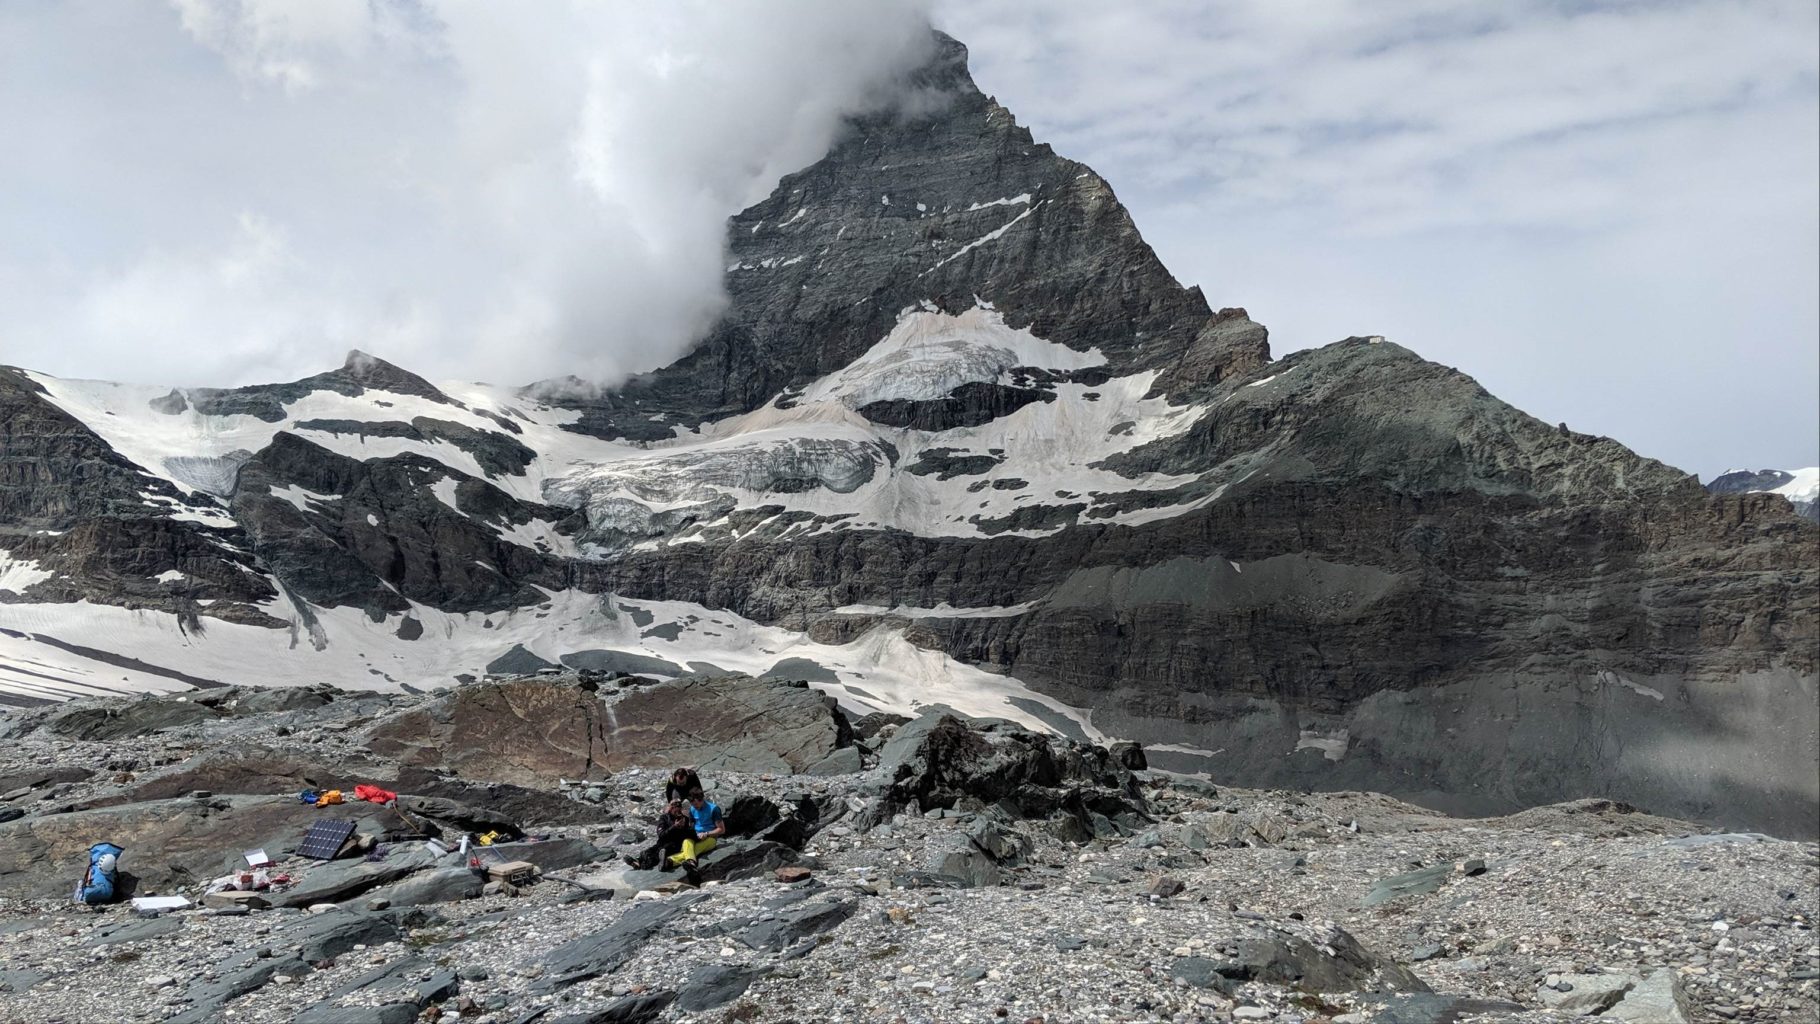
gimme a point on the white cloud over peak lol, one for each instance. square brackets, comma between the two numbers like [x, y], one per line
[221, 191]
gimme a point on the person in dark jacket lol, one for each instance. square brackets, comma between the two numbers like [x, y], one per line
[674, 826]
[683, 781]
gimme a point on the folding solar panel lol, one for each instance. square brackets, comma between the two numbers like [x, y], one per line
[323, 840]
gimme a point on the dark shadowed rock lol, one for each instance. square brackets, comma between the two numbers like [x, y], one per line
[438, 885]
[940, 760]
[607, 950]
[639, 1009]
[713, 985]
[1437, 1008]
[792, 924]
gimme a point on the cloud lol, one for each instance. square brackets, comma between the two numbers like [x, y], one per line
[221, 191]
[1603, 209]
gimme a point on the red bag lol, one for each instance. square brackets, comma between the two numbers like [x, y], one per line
[373, 794]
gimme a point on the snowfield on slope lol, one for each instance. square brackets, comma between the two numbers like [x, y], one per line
[60, 651]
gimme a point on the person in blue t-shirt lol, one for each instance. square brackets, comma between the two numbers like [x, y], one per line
[710, 825]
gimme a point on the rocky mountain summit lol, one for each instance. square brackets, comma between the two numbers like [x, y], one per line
[937, 869]
[959, 439]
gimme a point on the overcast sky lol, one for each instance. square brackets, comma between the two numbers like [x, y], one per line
[1608, 213]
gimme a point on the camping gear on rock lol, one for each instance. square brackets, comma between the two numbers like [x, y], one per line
[333, 796]
[308, 796]
[373, 794]
[103, 874]
[325, 838]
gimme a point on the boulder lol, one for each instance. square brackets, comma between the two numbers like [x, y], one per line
[1585, 995]
[638, 1009]
[1339, 964]
[1130, 754]
[1656, 999]
[789, 925]
[338, 880]
[20, 980]
[867, 726]
[609, 949]
[439, 885]
[844, 761]
[950, 855]
[1412, 883]
[552, 854]
[142, 717]
[1437, 1008]
[713, 985]
[748, 814]
[942, 760]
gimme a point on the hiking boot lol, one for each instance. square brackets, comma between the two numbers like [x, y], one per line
[693, 871]
[633, 862]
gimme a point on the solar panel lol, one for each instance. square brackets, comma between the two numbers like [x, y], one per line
[323, 840]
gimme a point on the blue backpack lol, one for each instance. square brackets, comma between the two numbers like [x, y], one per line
[103, 873]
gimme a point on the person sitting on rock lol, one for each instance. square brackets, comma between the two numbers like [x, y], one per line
[709, 825]
[674, 827]
[683, 781]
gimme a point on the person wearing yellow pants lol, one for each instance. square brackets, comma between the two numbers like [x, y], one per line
[709, 824]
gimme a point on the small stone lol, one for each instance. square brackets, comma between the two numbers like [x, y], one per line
[1472, 868]
[791, 874]
[1250, 1013]
[1166, 887]
[378, 903]
[923, 987]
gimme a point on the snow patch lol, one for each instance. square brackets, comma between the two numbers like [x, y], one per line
[928, 354]
[990, 236]
[444, 489]
[1023, 197]
[880, 670]
[300, 498]
[19, 574]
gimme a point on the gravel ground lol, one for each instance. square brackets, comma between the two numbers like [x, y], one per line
[1075, 934]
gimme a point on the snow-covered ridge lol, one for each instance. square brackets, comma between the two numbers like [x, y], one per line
[836, 463]
[1804, 487]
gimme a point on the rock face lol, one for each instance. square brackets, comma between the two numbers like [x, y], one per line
[959, 438]
[538, 732]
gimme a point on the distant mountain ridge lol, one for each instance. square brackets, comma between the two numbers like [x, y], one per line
[1800, 486]
[959, 438]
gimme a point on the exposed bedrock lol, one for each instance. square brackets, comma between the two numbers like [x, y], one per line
[539, 731]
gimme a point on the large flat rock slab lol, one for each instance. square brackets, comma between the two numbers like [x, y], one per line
[534, 732]
[726, 723]
[167, 842]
